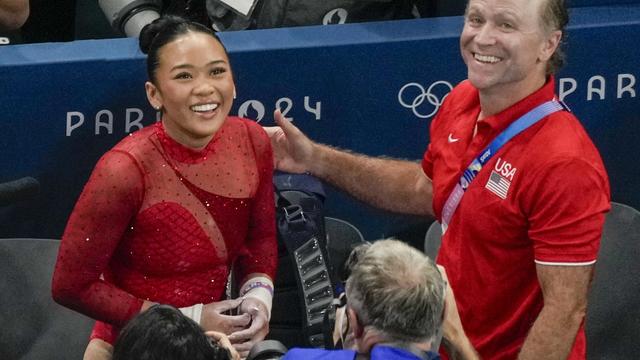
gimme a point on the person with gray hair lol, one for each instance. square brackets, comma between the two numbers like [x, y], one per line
[395, 305]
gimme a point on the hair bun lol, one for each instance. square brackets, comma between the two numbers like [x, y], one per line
[150, 31]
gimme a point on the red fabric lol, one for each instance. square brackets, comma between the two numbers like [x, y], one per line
[553, 212]
[161, 222]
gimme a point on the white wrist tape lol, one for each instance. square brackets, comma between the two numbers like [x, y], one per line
[193, 312]
[260, 288]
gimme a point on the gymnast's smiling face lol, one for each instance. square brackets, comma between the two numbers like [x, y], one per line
[194, 86]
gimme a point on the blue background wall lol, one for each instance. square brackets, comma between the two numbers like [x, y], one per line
[355, 72]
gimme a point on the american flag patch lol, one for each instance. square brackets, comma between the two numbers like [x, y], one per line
[498, 185]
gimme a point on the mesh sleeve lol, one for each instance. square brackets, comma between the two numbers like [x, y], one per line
[261, 239]
[104, 210]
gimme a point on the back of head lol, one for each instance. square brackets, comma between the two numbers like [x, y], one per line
[164, 333]
[398, 291]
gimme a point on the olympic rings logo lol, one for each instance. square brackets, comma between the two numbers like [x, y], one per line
[433, 99]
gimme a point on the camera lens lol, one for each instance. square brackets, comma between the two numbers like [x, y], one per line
[267, 350]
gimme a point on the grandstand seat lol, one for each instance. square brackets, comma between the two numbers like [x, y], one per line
[342, 237]
[613, 314]
[34, 326]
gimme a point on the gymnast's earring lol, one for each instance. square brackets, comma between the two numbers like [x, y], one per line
[234, 93]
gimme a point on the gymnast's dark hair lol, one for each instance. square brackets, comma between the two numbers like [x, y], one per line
[163, 333]
[164, 30]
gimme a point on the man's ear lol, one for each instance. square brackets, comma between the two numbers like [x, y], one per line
[153, 95]
[354, 323]
[550, 45]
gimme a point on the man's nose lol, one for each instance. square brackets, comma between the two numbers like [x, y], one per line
[486, 35]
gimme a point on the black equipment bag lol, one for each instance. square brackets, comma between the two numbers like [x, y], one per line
[303, 285]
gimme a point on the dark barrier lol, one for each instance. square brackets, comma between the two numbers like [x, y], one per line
[579, 3]
[370, 87]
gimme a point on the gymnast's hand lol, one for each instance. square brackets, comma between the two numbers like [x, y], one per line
[293, 151]
[212, 317]
[244, 340]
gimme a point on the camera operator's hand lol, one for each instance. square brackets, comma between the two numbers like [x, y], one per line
[243, 340]
[223, 340]
[212, 317]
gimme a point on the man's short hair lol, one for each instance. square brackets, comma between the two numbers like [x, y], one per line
[397, 290]
[163, 333]
[555, 16]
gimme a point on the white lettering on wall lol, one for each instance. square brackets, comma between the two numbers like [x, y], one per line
[255, 109]
[104, 125]
[105, 120]
[628, 87]
[596, 87]
[316, 110]
[593, 89]
[137, 123]
[288, 104]
[70, 125]
[573, 85]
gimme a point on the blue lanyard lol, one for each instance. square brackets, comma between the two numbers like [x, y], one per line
[524, 122]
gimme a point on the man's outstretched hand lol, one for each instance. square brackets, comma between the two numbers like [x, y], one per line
[293, 151]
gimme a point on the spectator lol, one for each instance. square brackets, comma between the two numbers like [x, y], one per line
[275, 13]
[169, 209]
[13, 14]
[225, 15]
[50, 21]
[164, 333]
[395, 299]
[522, 225]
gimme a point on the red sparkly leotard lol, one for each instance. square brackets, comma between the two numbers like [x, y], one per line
[161, 222]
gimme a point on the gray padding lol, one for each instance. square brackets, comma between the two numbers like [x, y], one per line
[342, 237]
[613, 314]
[34, 327]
